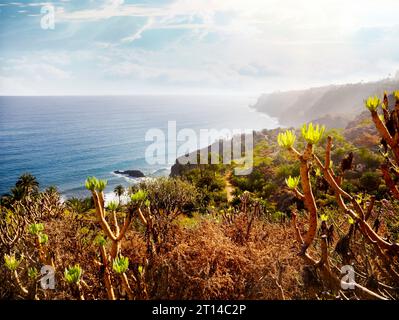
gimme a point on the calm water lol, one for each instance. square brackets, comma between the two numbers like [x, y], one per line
[62, 140]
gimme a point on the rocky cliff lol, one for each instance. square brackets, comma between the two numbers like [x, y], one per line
[334, 105]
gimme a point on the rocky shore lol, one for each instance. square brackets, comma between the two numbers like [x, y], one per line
[131, 173]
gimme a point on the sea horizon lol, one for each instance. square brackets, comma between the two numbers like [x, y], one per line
[63, 139]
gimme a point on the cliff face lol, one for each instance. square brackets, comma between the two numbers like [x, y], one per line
[361, 130]
[334, 106]
[177, 169]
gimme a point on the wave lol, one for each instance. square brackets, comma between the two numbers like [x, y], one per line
[161, 172]
[112, 197]
[63, 198]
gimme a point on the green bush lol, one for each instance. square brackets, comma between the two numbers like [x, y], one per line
[169, 194]
[210, 184]
[370, 159]
[370, 181]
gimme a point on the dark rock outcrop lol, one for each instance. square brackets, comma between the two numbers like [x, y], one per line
[131, 173]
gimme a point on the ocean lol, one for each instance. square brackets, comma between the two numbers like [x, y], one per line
[62, 140]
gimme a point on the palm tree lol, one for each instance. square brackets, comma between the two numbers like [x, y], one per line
[52, 190]
[75, 205]
[18, 193]
[79, 206]
[119, 191]
[28, 183]
[6, 200]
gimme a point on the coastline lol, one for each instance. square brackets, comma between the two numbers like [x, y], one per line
[67, 143]
[81, 192]
[331, 105]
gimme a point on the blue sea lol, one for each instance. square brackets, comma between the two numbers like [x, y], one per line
[62, 140]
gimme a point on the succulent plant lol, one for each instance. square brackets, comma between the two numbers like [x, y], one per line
[36, 228]
[141, 270]
[112, 206]
[100, 240]
[11, 262]
[73, 274]
[101, 185]
[120, 264]
[292, 182]
[43, 238]
[286, 139]
[33, 273]
[324, 217]
[372, 103]
[92, 183]
[139, 197]
[312, 134]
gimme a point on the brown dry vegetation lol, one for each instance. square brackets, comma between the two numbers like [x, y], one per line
[204, 261]
[159, 246]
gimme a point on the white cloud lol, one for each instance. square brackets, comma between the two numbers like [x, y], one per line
[137, 34]
[39, 71]
[289, 22]
[15, 86]
[257, 45]
[108, 10]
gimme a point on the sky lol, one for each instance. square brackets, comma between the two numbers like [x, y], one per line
[194, 46]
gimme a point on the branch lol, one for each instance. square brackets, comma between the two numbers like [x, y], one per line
[328, 152]
[370, 208]
[324, 253]
[125, 226]
[389, 182]
[143, 219]
[309, 199]
[364, 227]
[369, 292]
[295, 225]
[294, 151]
[115, 221]
[101, 215]
[24, 291]
[107, 274]
[126, 286]
[382, 129]
[299, 195]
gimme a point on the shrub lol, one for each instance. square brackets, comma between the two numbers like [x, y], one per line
[370, 181]
[168, 194]
[79, 206]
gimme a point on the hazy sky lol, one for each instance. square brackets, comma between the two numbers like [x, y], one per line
[195, 46]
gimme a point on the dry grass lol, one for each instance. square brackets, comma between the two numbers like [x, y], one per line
[202, 261]
[204, 257]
